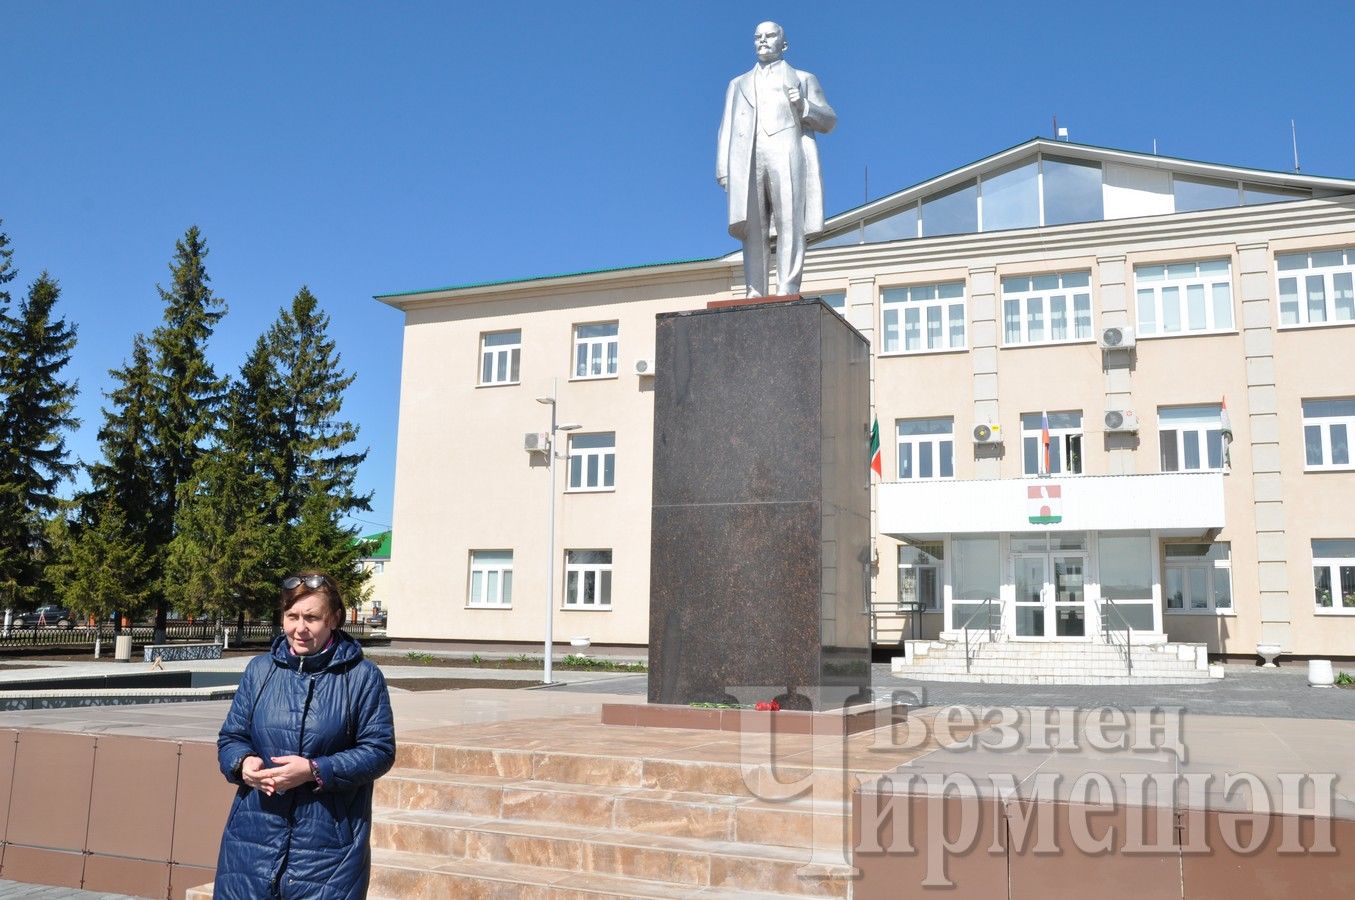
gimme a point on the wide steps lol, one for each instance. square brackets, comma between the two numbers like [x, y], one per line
[1019, 662]
[437, 851]
[639, 810]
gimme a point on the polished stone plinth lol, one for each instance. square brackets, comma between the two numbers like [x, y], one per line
[760, 556]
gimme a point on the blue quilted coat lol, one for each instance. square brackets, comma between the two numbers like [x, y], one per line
[331, 707]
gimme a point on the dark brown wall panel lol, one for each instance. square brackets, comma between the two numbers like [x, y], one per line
[49, 803]
[131, 810]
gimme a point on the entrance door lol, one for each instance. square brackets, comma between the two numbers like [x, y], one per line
[1050, 599]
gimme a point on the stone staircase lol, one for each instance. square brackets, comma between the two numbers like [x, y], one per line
[470, 822]
[1032, 662]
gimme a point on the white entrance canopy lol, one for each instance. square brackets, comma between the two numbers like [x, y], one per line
[1174, 504]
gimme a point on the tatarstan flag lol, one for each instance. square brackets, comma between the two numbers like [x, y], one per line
[875, 448]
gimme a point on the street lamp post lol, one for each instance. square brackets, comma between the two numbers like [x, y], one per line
[555, 428]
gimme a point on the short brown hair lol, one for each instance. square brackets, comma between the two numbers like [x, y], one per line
[328, 589]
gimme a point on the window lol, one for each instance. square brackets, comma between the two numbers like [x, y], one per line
[1204, 193]
[1126, 568]
[1199, 578]
[1184, 297]
[500, 357]
[932, 317]
[1072, 191]
[1316, 288]
[926, 448]
[920, 574]
[491, 578]
[837, 300]
[1191, 437]
[595, 349]
[1065, 443]
[592, 461]
[976, 575]
[955, 211]
[588, 578]
[378, 568]
[1334, 576]
[1011, 199]
[1327, 427]
[1047, 308]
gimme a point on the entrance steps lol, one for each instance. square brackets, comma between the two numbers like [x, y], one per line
[468, 822]
[1033, 662]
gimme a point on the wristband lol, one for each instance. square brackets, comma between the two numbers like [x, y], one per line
[315, 774]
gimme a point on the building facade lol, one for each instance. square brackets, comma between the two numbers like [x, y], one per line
[1114, 393]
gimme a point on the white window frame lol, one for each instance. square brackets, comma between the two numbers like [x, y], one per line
[1213, 570]
[914, 558]
[596, 353]
[1196, 434]
[1296, 276]
[579, 574]
[577, 478]
[909, 446]
[500, 363]
[1037, 303]
[1333, 565]
[1153, 282]
[949, 312]
[1062, 441]
[1326, 426]
[496, 571]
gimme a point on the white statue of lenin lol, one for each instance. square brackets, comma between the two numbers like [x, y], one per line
[769, 164]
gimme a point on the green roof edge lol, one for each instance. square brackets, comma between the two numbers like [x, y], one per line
[499, 281]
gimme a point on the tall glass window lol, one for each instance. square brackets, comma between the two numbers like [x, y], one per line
[976, 575]
[924, 317]
[1317, 288]
[1011, 199]
[1072, 191]
[1040, 309]
[926, 448]
[955, 211]
[1204, 193]
[921, 569]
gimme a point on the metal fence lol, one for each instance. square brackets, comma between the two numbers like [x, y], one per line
[175, 633]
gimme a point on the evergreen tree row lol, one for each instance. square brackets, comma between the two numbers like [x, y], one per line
[207, 490]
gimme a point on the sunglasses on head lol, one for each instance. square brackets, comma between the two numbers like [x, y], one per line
[310, 581]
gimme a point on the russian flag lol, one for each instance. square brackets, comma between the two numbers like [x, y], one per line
[1044, 439]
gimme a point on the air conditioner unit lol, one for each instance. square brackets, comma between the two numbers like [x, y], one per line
[536, 442]
[644, 367]
[987, 434]
[1121, 421]
[1116, 338]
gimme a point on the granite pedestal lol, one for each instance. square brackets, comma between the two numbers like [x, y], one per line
[760, 557]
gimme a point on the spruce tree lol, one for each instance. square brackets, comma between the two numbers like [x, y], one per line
[125, 480]
[312, 443]
[224, 558]
[36, 409]
[100, 568]
[188, 391]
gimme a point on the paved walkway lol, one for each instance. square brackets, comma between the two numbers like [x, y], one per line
[17, 890]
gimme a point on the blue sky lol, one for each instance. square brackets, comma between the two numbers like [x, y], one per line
[366, 148]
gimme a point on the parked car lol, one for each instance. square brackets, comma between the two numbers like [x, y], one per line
[52, 615]
[377, 619]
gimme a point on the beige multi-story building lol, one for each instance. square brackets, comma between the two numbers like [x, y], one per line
[1115, 391]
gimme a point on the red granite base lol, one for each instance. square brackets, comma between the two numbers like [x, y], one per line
[849, 720]
[749, 301]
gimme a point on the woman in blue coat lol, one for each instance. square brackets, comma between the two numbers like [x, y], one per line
[309, 730]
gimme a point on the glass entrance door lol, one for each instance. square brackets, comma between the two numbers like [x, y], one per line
[1050, 598]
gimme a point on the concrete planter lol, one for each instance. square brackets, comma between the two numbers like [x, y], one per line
[1320, 673]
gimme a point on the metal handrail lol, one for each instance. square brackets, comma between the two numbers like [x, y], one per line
[985, 605]
[1128, 632]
